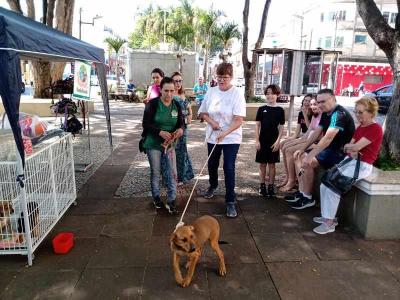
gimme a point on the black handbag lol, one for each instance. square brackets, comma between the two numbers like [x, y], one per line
[338, 182]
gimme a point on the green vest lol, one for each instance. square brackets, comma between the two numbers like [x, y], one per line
[165, 118]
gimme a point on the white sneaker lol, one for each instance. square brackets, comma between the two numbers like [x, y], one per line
[324, 228]
[321, 220]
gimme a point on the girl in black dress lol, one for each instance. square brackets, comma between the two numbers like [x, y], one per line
[270, 120]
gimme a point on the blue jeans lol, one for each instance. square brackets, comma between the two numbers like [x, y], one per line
[155, 157]
[230, 153]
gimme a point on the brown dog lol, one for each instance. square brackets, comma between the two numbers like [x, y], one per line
[189, 240]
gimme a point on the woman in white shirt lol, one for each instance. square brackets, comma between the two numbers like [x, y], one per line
[223, 108]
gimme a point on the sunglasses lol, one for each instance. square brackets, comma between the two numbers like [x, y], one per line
[178, 81]
[224, 78]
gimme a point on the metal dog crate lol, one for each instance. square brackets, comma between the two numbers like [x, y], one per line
[28, 214]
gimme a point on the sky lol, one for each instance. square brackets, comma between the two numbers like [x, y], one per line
[120, 15]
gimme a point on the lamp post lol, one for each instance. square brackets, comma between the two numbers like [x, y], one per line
[301, 28]
[89, 23]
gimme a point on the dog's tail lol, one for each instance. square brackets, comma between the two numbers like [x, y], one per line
[223, 243]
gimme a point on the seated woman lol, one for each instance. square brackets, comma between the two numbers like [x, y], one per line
[366, 143]
[292, 146]
[163, 124]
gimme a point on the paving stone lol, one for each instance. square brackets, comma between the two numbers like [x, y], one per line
[243, 281]
[6, 276]
[159, 283]
[240, 249]
[276, 247]
[333, 280]
[230, 226]
[385, 253]
[77, 259]
[120, 252]
[121, 283]
[125, 225]
[164, 223]
[41, 285]
[334, 246]
[160, 254]
[13, 262]
[82, 226]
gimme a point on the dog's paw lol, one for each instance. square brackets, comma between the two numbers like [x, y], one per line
[222, 270]
[179, 281]
[185, 282]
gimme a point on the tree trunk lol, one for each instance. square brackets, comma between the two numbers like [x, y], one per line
[15, 6]
[391, 140]
[117, 68]
[50, 12]
[249, 68]
[31, 9]
[42, 78]
[388, 40]
[205, 66]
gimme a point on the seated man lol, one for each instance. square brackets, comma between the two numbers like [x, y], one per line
[200, 90]
[130, 87]
[337, 125]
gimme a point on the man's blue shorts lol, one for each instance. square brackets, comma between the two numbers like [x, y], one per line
[329, 157]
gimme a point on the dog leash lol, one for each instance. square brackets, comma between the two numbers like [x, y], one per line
[180, 223]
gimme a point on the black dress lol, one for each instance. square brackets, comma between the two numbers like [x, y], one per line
[270, 117]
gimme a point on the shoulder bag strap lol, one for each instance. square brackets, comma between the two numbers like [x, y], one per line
[357, 169]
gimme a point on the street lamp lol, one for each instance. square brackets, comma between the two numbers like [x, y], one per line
[89, 23]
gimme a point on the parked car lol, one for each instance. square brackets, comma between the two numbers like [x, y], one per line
[384, 97]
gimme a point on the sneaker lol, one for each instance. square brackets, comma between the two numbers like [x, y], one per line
[171, 207]
[303, 202]
[157, 202]
[324, 228]
[271, 190]
[321, 220]
[209, 193]
[293, 197]
[263, 190]
[230, 210]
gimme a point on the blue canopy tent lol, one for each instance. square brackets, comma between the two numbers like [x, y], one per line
[24, 38]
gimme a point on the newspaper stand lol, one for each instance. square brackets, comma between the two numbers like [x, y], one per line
[297, 72]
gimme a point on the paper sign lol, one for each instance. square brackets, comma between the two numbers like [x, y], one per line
[82, 80]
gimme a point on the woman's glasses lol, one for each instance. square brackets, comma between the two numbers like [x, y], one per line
[359, 112]
[178, 81]
[223, 78]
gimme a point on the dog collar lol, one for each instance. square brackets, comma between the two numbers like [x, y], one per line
[184, 250]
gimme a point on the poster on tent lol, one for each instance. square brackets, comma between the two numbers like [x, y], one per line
[82, 80]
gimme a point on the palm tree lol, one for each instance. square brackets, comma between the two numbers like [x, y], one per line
[208, 21]
[226, 33]
[115, 44]
[181, 39]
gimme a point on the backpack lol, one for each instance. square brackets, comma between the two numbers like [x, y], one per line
[72, 125]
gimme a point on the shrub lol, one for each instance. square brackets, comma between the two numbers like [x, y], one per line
[387, 164]
[256, 99]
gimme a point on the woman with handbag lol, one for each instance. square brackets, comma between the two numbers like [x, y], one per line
[362, 152]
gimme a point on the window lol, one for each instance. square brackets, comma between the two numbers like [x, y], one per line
[386, 15]
[331, 16]
[322, 17]
[393, 17]
[341, 15]
[374, 79]
[360, 39]
[328, 42]
[339, 41]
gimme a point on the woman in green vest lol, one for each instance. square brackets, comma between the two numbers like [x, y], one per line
[162, 125]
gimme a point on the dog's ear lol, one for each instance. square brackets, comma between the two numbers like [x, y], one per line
[172, 238]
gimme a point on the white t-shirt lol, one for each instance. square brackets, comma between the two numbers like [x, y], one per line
[222, 106]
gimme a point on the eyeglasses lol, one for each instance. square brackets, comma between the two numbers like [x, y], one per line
[321, 101]
[359, 112]
[224, 78]
[178, 81]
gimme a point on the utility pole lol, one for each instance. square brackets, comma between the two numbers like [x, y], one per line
[336, 21]
[89, 23]
[301, 28]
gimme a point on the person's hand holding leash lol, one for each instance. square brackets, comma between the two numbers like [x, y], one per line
[165, 135]
[178, 133]
[221, 136]
[214, 125]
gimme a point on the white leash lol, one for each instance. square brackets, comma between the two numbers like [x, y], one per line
[180, 223]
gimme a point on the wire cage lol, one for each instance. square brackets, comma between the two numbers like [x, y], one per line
[28, 214]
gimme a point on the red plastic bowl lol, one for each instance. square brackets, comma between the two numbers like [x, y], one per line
[63, 242]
